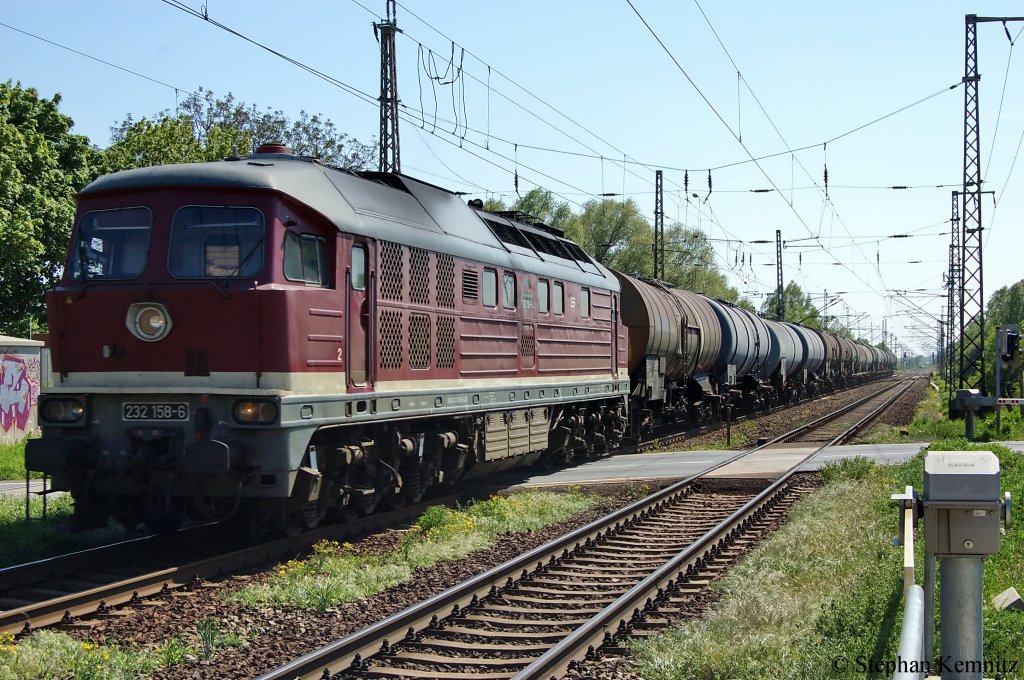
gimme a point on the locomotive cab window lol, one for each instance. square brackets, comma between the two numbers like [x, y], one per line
[557, 298]
[359, 267]
[584, 303]
[542, 296]
[305, 259]
[111, 244]
[490, 288]
[508, 290]
[216, 242]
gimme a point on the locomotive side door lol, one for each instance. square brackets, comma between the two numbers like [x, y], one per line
[615, 335]
[359, 312]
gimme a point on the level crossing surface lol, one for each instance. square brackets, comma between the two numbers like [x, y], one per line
[679, 464]
[671, 465]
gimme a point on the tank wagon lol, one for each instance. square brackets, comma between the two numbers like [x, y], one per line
[273, 339]
[690, 356]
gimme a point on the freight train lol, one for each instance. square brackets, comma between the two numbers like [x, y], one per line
[276, 340]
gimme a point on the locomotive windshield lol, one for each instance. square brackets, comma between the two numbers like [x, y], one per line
[111, 244]
[216, 242]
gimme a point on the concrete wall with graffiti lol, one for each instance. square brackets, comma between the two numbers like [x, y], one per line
[24, 370]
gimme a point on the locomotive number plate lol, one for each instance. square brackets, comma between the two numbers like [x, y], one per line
[154, 411]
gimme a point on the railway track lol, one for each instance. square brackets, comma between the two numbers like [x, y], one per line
[85, 586]
[76, 587]
[672, 439]
[537, 615]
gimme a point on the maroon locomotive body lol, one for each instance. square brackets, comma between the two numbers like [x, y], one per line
[271, 337]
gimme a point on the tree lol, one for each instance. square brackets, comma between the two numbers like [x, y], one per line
[1005, 306]
[42, 166]
[211, 119]
[797, 307]
[615, 234]
[144, 143]
[538, 203]
[690, 264]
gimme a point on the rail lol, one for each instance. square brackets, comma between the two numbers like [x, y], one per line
[352, 650]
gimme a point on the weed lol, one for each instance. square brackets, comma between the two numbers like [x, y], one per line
[782, 616]
[173, 652]
[635, 491]
[333, 574]
[208, 632]
[26, 540]
[855, 468]
[48, 654]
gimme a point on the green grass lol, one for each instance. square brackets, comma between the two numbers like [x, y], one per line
[12, 461]
[27, 540]
[931, 423]
[48, 654]
[842, 598]
[335, 573]
[52, 654]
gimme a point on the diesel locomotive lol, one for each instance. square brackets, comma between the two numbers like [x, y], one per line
[274, 339]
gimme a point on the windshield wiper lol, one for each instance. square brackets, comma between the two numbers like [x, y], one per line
[248, 255]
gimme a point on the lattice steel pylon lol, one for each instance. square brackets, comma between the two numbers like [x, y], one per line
[780, 290]
[972, 309]
[954, 302]
[389, 147]
[659, 228]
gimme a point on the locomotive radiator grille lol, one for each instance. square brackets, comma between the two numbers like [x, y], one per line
[527, 345]
[445, 281]
[419, 276]
[446, 342]
[391, 339]
[419, 341]
[392, 273]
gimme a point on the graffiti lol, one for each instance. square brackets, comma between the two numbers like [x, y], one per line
[19, 390]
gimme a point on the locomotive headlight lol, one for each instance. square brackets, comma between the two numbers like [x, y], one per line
[148, 321]
[255, 412]
[61, 411]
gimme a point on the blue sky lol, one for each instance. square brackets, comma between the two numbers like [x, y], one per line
[574, 87]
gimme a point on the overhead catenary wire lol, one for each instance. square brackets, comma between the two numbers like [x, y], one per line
[593, 154]
[372, 101]
[679, 66]
[97, 59]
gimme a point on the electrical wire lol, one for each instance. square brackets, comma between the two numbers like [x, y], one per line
[679, 66]
[97, 59]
